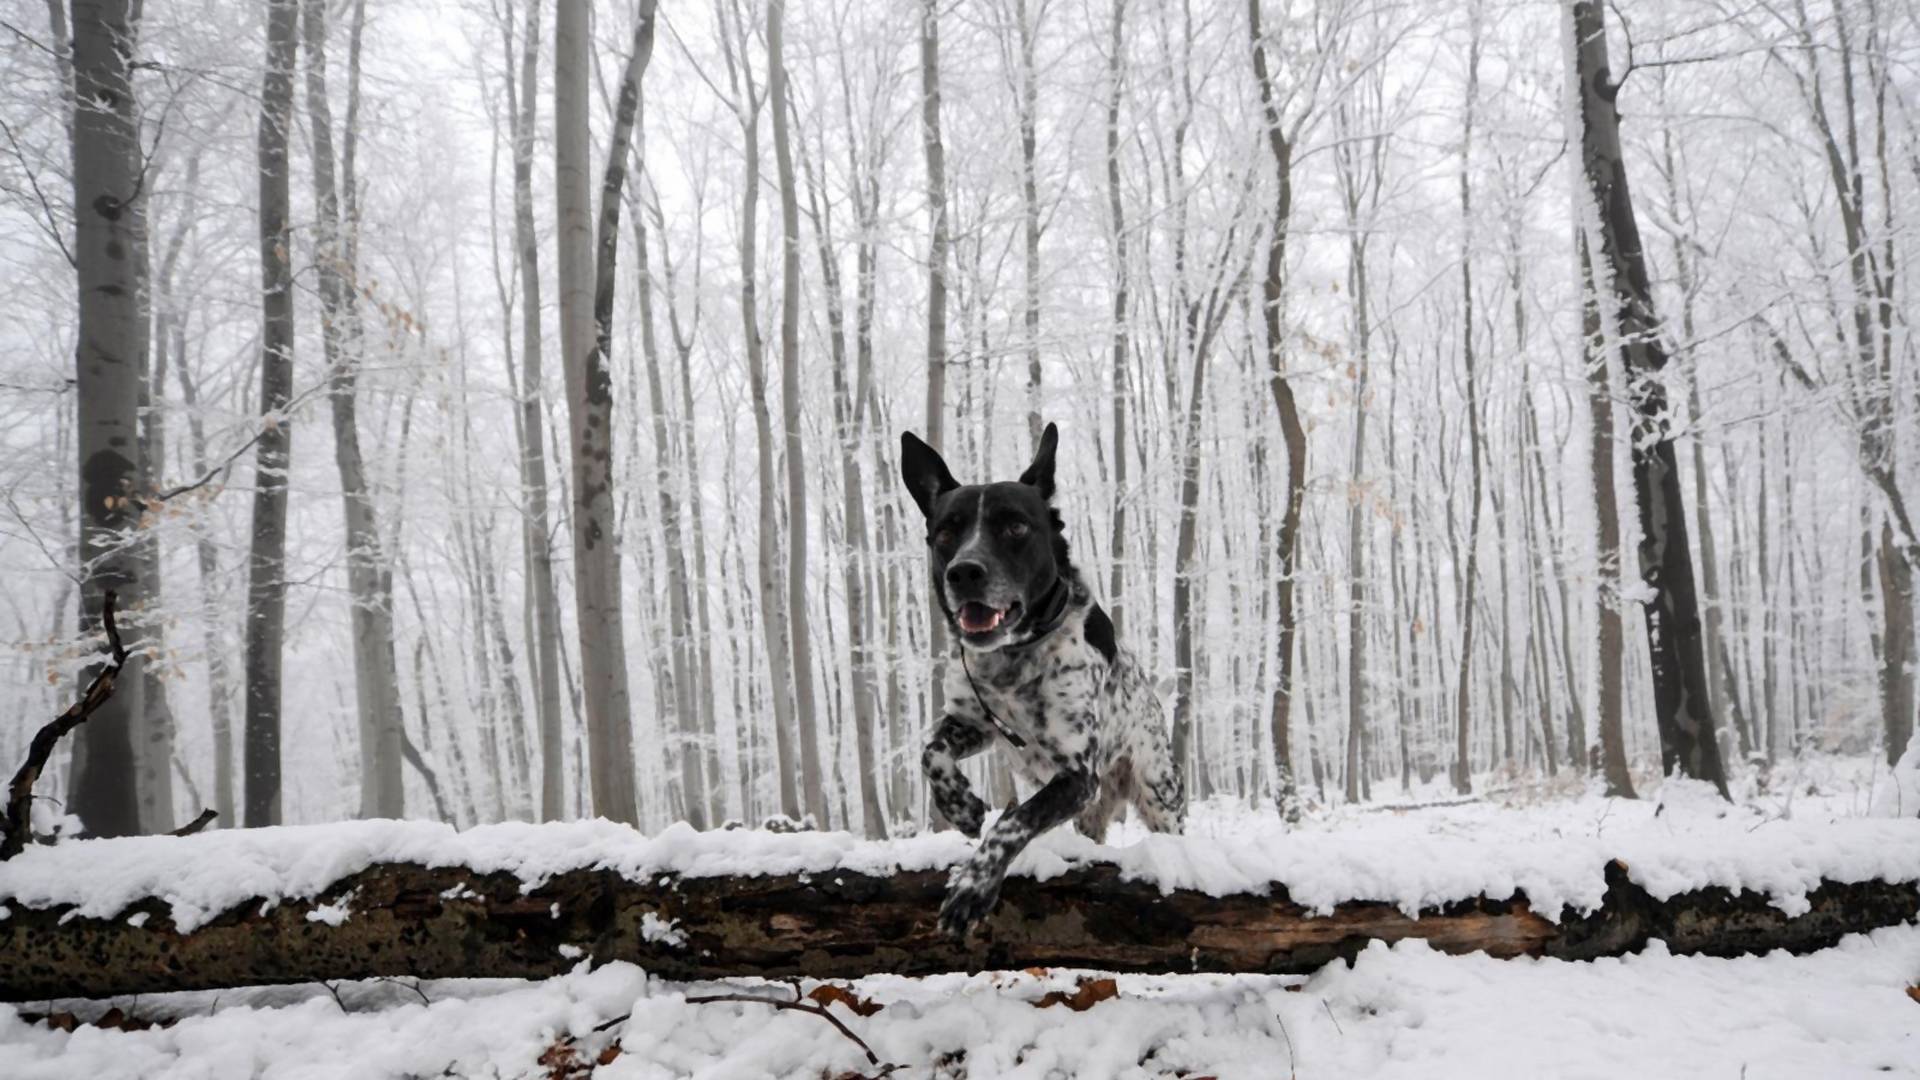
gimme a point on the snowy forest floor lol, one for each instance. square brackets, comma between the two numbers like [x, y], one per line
[1398, 1011]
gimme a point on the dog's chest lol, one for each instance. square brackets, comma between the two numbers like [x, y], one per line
[1049, 695]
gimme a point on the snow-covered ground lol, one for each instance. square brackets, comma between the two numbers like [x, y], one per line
[1399, 1011]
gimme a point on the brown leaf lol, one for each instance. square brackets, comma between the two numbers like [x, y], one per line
[562, 1062]
[606, 1056]
[114, 1018]
[1914, 992]
[827, 993]
[1086, 995]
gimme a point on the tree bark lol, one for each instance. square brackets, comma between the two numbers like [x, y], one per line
[109, 222]
[797, 523]
[536, 536]
[1612, 634]
[1463, 686]
[774, 616]
[266, 580]
[1117, 222]
[598, 600]
[935, 150]
[376, 680]
[406, 920]
[1272, 296]
[1672, 610]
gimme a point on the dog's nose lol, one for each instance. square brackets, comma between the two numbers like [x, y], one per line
[966, 575]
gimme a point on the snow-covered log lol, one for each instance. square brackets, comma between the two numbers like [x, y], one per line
[99, 918]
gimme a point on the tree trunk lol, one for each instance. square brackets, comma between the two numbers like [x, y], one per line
[1117, 222]
[937, 256]
[376, 681]
[1672, 609]
[686, 690]
[1612, 636]
[1463, 687]
[453, 922]
[213, 589]
[1028, 104]
[1272, 296]
[598, 599]
[109, 220]
[536, 534]
[797, 523]
[773, 614]
[266, 581]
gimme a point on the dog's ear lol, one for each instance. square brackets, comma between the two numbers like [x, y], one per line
[1040, 473]
[923, 470]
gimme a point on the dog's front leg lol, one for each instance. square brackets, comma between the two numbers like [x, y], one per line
[954, 740]
[974, 886]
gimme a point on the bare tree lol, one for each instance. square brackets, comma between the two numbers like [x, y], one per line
[1687, 740]
[1280, 143]
[1463, 687]
[110, 219]
[376, 680]
[584, 336]
[935, 149]
[536, 534]
[266, 570]
[797, 528]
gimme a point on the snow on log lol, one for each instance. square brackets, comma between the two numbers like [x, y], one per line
[365, 899]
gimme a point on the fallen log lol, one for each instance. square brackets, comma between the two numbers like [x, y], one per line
[405, 919]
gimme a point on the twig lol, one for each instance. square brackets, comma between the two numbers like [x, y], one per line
[415, 987]
[17, 826]
[796, 1006]
[206, 817]
[1335, 1019]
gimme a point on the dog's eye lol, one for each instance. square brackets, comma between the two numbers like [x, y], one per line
[943, 538]
[1018, 530]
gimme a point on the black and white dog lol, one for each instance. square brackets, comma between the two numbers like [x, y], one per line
[1037, 666]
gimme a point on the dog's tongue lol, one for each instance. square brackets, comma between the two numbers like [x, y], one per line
[978, 618]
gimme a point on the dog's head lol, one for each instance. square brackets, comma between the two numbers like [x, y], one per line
[999, 550]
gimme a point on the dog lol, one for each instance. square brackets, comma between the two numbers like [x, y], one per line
[1037, 667]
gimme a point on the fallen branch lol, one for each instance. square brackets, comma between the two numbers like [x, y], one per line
[16, 825]
[206, 818]
[452, 921]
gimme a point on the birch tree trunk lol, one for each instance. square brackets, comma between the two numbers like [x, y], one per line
[109, 218]
[266, 582]
[597, 594]
[797, 523]
[1687, 740]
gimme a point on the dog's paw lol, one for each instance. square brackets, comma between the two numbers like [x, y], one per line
[968, 814]
[972, 892]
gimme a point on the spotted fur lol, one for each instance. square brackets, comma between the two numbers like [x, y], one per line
[1073, 708]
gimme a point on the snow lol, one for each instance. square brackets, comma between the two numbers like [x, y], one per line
[1398, 1011]
[1403, 1011]
[662, 931]
[1555, 852]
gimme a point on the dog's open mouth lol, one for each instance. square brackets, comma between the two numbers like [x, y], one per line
[976, 618]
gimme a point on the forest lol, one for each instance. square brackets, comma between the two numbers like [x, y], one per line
[1352, 431]
[490, 411]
